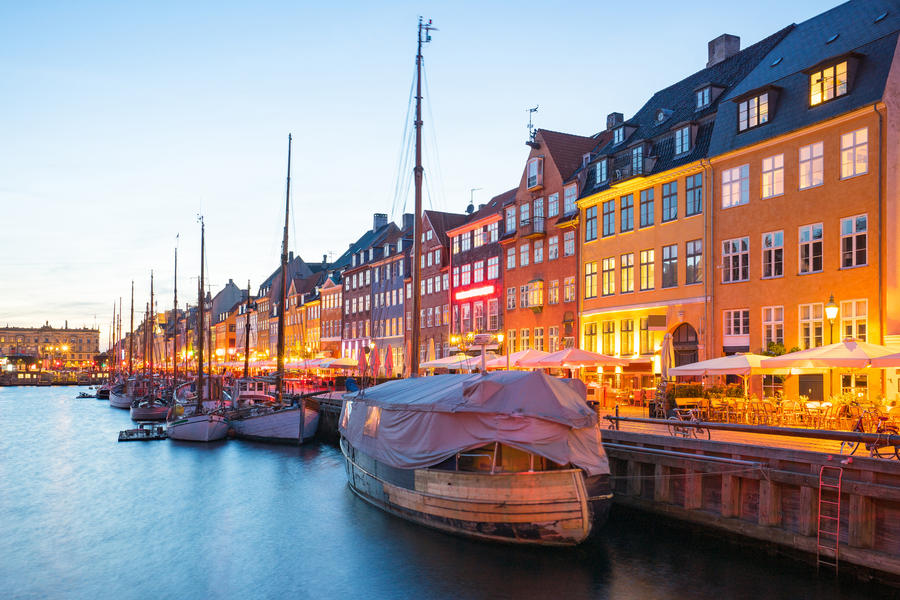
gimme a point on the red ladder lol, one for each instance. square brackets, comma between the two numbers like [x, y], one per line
[829, 521]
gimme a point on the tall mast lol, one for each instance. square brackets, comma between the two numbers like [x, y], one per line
[131, 335]
[247, 335]
[152, 325]
[418, 172]
[200, 319]
[146, 340]
[284, 258]
[175, 327]
[113, 345]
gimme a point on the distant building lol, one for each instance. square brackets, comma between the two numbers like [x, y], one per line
[54, 348]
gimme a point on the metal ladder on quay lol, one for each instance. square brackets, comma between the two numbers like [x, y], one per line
[829, 518]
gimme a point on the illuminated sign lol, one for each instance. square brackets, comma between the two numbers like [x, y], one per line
[475, 292]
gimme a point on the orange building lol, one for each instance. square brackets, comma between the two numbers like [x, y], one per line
[806, 196]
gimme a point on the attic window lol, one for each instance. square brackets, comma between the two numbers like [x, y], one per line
[880, 17]
[777, 61]
[832, 38]
[753, 111]
[828, 83]
[703, 97]
[601, 171]
[618, 135]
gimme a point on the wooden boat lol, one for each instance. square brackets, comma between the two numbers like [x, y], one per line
[200, 427]
[143, 432]
[258, 416]
[509, 457]
[149, 408]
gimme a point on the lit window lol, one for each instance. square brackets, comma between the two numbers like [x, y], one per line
[737, 322]
[510, 298]
[626, 337]
[854, 153]
[812, 170]
[828, 83]
[478, 271]
[609, 276]
[773, 325]
[853, 319]
[753, 111]
[773, 176]
[493, 267]
[627, 272]
[590, 280]
[647, 270]
[553, 293]
[811, 325]
[853, 241]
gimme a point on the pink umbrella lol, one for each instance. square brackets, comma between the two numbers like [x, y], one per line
[573, 358]
[516, 358]
[389, 361]
[376, 361]
[848, 354]
[361, 363]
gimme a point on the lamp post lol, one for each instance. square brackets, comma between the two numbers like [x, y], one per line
[831, 311]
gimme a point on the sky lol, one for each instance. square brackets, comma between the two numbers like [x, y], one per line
[121, 122]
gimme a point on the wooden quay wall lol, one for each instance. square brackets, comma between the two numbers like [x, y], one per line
[766, 493]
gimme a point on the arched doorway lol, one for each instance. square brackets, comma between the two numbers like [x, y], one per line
[684, 344]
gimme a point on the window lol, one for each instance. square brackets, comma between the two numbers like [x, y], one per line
[626, 337]
[553, 339]
[854, 153]
[828, 83]
[853, 241]
[569, 194]
[553, 205]
[600, 171]
[478, 271]
[627, 273]
[609, 276]
[670, 266]
[703, 97]
[524, 253]
[524, 210]
[510, 219]
[569, 289]
[626, 213]
[737, 322]
[609, 219]
[478, 312]
[853, 319]
[493, 267]
[609, 337]
[735, 186]
[525, 339]
[493, 230]
[693, 268]
[693, 195]
[812, 168]
[466, 317]
[523, 296]
[811, 248]
[466, 241]
[773, 254]
[670, 201]
[618, 135]
[539, 338]
[553, 248]
[536, 293]
[446, 278]
[456, 245]
[510, 298]
[736, 260]
[466, 275]
[478, 238]
[538, 251]
[590, 280]
[646, 338]
[430, 287]
[569, 243]
[511, 340]
[590, 223]
[773, 325]
[535, 172]
[590, 337]
[538, 220]
[647, 274]
[811, 325]
[637, 160]
[510, 260]
[493, 308]
[682, 140]
[553, 293]
[773, 176]
[647, 207]
[753, 111]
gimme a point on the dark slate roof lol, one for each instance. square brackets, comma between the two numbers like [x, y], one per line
[566, 149]
[493, 206]
[365, 240]
[804, 47]
[679, 101]
[441, 222]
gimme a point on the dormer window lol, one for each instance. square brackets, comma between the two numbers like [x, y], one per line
[618, 135]
[704, 97]
[600, 171]
[637, 160]
[535, 173]
[753, 111]
[682, 140]
[828, 83]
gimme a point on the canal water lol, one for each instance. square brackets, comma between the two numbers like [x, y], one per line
[83, 516]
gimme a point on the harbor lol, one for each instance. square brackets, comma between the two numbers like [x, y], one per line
[241, 519]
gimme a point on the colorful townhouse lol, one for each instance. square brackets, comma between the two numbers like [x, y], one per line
[388, 283]
[805, 223]
[331, 318]
[644, 208]
[541, 226]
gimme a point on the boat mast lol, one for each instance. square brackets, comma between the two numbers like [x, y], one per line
[119, 337]
[151, 325]
[418, 172]
[146, 340]
[247, 335]
[200, 320]
[112, 345]
[131, 335]
[175, 328]
[284, 273]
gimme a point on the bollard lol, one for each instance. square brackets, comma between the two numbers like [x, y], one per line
[617, 417]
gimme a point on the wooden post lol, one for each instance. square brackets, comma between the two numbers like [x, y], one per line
[693, 489]
[731, 496]
[861, 526]
[633, 475]
[808, 511]
[662, 486]
[769, 503]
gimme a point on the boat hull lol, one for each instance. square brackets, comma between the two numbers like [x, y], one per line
[548, 508]
[198, 428]
[117, 400]
[157, 412]
[278, 426]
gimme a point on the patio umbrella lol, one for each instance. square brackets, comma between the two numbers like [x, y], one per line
[361, 363]
[389, 361]
[666, 357]
[887, 362]
[516, 358]
[573, 358]
[848, 354]
[736, 364]
[376, 361]
[338, 363]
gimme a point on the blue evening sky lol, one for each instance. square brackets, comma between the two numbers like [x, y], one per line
[120, 121]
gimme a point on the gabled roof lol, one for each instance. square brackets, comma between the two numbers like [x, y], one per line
[367, 239]
[805, 46]
[567, 150]
[441, 222]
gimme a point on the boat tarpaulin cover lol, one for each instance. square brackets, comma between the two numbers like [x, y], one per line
[420, 422]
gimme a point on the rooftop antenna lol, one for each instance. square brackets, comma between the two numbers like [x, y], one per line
[531, 130]
[471, 208]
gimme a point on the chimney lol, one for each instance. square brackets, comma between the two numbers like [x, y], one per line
[291, 256]
[409, 222]
[724, 46]
[379, 221]
[324, 261]
[614, 120]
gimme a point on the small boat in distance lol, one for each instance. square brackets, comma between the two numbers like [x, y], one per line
[143, 432]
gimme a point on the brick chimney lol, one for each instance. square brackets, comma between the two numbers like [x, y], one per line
[409, 221]
[724, 46]
[614, 120]
[379, 221]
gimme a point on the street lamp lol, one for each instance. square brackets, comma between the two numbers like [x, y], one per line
[831, 311]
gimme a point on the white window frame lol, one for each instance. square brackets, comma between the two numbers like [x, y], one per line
[773, 176]
[753, 112]
[853, 236]
[854, 319]
[772, 242]
[736, 257]
[811, 319]
[736, 322]
[855, 153]
[806, 239]
[772, 325]
[811, 165]
[682, 140]
[736, 186]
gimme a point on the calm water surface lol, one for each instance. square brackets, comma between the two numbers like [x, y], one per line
[83, 516]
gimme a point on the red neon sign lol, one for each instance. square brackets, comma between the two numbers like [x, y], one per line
[475, 292]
